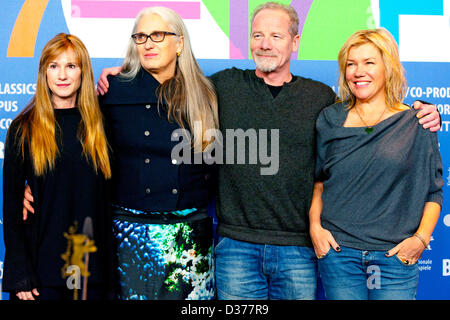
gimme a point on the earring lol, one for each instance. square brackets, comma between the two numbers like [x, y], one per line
[178, 53]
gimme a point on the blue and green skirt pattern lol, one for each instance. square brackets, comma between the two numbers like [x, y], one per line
[165, 255]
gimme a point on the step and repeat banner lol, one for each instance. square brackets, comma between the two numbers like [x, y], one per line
[219, 31]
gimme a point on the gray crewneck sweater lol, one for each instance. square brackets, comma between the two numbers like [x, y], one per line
[273, 208]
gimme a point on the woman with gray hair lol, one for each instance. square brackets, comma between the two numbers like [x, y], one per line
[161, 222]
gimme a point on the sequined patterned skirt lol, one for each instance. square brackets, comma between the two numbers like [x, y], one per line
[164, 255]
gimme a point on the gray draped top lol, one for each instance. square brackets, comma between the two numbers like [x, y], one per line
[376, 185]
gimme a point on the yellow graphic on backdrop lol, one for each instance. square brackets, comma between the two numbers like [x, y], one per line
[24, 34]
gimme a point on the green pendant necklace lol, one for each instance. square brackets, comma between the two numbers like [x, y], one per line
[368, 128]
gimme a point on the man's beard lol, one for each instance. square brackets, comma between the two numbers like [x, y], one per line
[265, 64]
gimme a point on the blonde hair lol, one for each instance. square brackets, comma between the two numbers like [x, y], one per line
[36, 123]
[395, 87]
[189, 95]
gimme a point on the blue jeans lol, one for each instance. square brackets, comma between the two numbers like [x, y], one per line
[249, 271]
[353, 274]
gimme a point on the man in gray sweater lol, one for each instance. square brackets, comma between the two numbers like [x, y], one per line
[264, 250]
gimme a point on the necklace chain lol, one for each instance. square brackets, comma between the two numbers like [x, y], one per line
[365, 123]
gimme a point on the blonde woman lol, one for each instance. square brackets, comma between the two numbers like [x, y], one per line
[379, 193]
[161, 222]
[58, 146]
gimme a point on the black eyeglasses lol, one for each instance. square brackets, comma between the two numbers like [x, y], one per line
[155, 36]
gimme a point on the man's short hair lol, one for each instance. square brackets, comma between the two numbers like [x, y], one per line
[290, 11]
